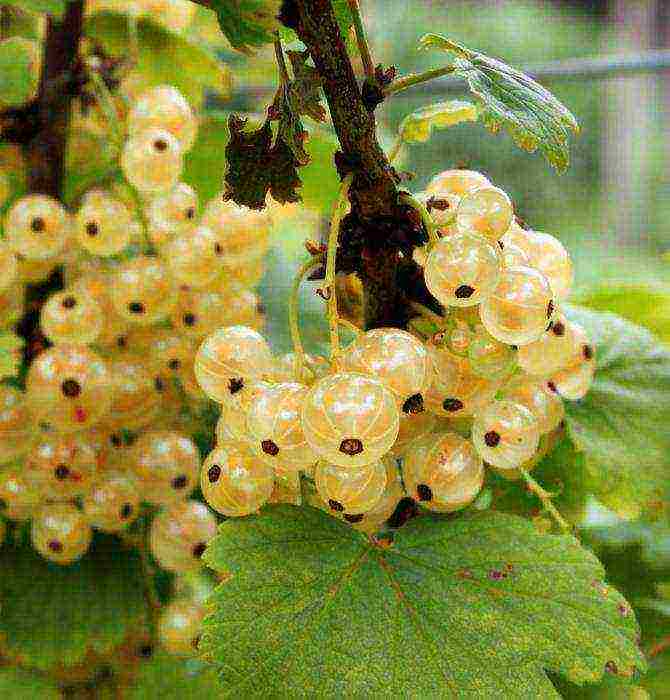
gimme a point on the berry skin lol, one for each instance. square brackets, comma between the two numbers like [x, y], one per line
[142, 291]
[486, 211]
[228, 359]
[60, 533]
[519, 308]
[19, 496]
[9, 266]
[164, 107]
[350, 491]
[234, 481]
[552, 351]
[37, 227]
[274, 427]
[350, 420]
[413, 426]
[135, 401]
[395, 358]
[96, 286]
[192, 257]
[489, 357]
[168, 464]
[103, 224]
[374, 519]
[174, 211]
[506, 434]
[456, 390]
[512, 255]
[179, 535]
[152, 161]
[285, 367]
[545, 405]
[458, 182]
[112, 503]
[444, 472]
[69, 387]
[179, 627]
[173, 354]
[574, 381]
[16, 427]
[69, 317]
[462, 269]
[231, 426]
[62, 466]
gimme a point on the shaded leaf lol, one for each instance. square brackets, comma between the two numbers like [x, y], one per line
[306, 87]
[247, 24]
[19, 75]
[170, 679]
[21, 685]
[418, 126]
[54, 7]
[477, 606]
[621, 425]
[531, 114]
[54, 614]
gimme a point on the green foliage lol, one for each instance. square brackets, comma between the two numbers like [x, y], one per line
[53, 7]
[53, 614]
[164, 57]
[477, 606]
[247, 24]
[11, 346]
[20, 685]
[621, 425]
[170, 679]
[418, 126]
[531, 114]
[18, 74]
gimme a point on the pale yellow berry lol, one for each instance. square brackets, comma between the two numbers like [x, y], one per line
[103, 223]
[60, 533]
[70, 317]
[458, 182]
[179, 627]
[487, 211]
[192, 257]
[19, 496]
[552, 351]
[113, 502]
[413, 426]
[374, 519]
[231, 426]
[350, 490]
[175, 210]
[544, 404]
[489, 357]
[152, 161]
[16, 424]
[37, 227]
[135, 401]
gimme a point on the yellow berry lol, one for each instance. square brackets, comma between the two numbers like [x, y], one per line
[350, 490]
[37, 227]
[16, 425]
[69, 317]
[60, 533]
[103, 223]
[487, 211]
[152, 161]
[179, 627]
[112, 503]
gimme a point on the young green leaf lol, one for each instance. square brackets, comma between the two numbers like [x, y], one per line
[476, 606]
[418, 126]
[531, 114]
[55, 614]
[621, 425]
[247, 24]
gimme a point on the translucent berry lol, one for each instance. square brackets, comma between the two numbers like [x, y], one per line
[413, 426]
[37, 227]
[175, 210]
[179, 627]
[574, 381]
[552, 351]
[461, 270]
[62, 466]
[231, 426]
[113, 502]
[152, 161]
[173, 354]
[350, 419]
[164, 107]
[234, 481]
[60, 533]
[520, 308]
[373, 520]
[96, 287]
[9, 266]
[103, 224]
[489, 357]
[192, 257]
[16, 425]
[69, 317]
[486, 211]
[505, 434]
[545, 405]
[458, 182]
[285, 367]
[69, 387]
[350, 490]
[143, 291]
[274, 427]
[179, 535]
[19, 496]
[135, 400]
[228, 359]
[513, 256]
[444, 472]
[395, 358]
[168, 463]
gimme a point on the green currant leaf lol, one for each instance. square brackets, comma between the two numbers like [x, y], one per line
[19, 73]
[53, 7]
[164, 56]
[473, 606]
[247, 24]
[54, 614]
[418, 126]
[621, 425]
[21, 685]
[164, 677]
[531, 114]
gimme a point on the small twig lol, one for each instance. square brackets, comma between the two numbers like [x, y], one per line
[395, 149]
[281, 61]
[545, 497]
[361, 40]
[427, 219]
[412, 79]
[106, 102]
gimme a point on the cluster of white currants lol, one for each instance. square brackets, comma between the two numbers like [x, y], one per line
[394, 408]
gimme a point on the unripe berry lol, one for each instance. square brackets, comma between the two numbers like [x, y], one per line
[60, 533]
[152, 161]
[489, 357]
[37, 227]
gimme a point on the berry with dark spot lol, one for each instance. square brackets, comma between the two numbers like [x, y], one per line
[92, 229]
[199, 549]
[270, 448]
[452, 405]
[335, 505]
[465, 291]
[179, 482]
[38, 224]
[189, 319]
[587, 352]
[424, 492]
[136, 307]
[558, 329]
[492, 439]
[69, 303]
[351, 446]
[235, 385]
[213, 473]
[351, 518]
[55, 546]
[414, 404]
[126, 511]
[71, 388]
[61, 472]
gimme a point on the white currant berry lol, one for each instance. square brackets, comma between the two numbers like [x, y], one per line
[37, 227]
[69, 317]
[520, 307]
[544, 404]
[487, 211]
[60, 533]
[234, 481]
[113, 502]
[350, 419]
[192, 257]
[175, 210]
[458, 182]
[552, 351]
[19, 496]
[574, 381]
[16, 425]
[462, 269]
[152, 161]
[395, 358]
[512, 255]
[444, 472]
[135, 398]
[96, 286]
[489, 357]
[413, 426]
[374, 519]
[103, 224]
[179, 627]
[506, 434]
[231, 426]
[350, 490]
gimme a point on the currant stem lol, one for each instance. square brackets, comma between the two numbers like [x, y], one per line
[330, 267]
[106, 103]
[293, 304]
[281, 61]
[425, 312]
[361, 39]
[412, 79]
[395, 150]
[427, 219]
[545, 497]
